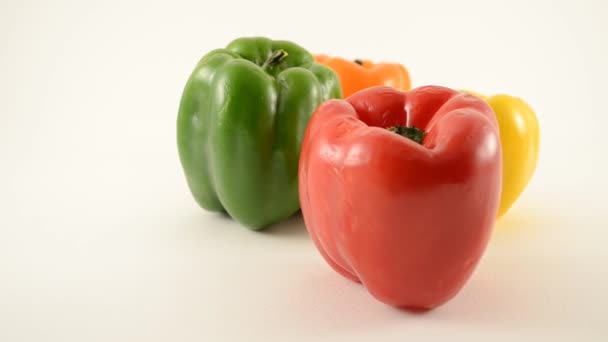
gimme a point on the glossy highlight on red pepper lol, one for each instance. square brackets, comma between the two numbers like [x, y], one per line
[408, 220]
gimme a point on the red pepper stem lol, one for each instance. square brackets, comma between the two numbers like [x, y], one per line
[412, 133]
[275, 58]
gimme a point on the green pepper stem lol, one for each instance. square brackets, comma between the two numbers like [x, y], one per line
[412, 133]
[274, 59]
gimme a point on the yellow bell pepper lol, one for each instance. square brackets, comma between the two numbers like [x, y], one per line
[519, 137]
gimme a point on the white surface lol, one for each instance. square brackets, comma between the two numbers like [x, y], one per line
[100, 239]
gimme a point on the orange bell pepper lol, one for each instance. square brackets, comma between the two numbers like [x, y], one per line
[360, 74]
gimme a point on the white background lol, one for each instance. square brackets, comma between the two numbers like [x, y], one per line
[100, 239]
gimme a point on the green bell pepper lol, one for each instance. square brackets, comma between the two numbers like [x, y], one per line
[240, 126]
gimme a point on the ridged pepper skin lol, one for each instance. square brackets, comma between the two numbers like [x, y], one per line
[241, 121]
[408, 219]
[362, 73]
[520, 140]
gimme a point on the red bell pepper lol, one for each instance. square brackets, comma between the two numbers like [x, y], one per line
[407, 211]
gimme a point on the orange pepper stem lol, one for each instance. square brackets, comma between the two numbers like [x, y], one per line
[358, 61]
[412, 133]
